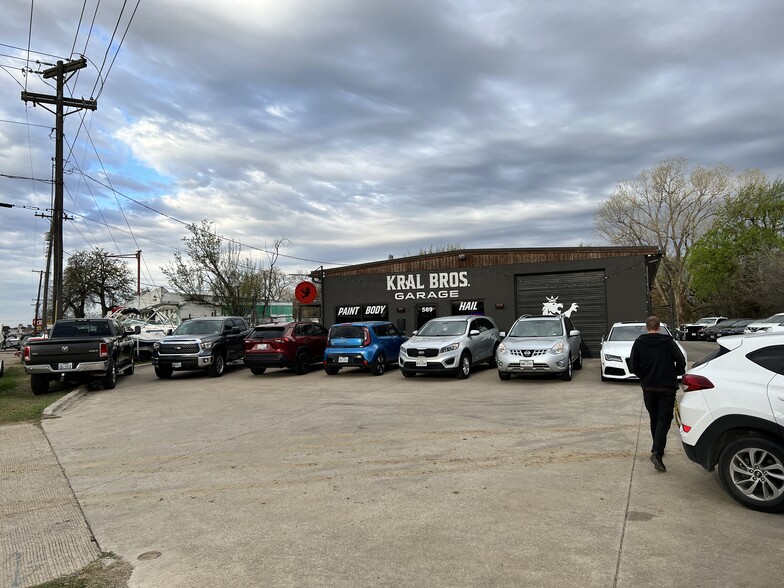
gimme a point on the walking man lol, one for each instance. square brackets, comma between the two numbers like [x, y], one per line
[657, 361]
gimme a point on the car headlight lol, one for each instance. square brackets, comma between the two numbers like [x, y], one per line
[448, 348]
[609, 357]
[557, 348]
[206, 344]
[156, 345]
[501, 348]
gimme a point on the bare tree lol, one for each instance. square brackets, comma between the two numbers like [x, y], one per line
[215, 272]
[668, 207]
[275, 284]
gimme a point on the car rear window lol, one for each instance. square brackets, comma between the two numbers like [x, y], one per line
[347, 332]
[711, 356]
[268, 333]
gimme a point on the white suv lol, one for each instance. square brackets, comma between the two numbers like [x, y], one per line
[732, 418]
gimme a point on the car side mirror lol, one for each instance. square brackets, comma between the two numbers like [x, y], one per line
[473, 332]
[603, 339]
[574, 333]
[415, 332]
[235, 331]
[137, 330]
[502, 334]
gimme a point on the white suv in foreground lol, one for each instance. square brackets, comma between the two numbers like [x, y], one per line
[732, 418]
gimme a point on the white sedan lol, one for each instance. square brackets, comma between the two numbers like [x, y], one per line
[617, 349]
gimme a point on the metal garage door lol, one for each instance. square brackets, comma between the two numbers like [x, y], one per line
[580, 295]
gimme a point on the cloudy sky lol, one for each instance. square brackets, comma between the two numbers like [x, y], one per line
[358, 129]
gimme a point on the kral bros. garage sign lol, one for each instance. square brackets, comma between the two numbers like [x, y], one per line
[427, 286]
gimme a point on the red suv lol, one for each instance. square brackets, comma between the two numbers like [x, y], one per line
[285, 345]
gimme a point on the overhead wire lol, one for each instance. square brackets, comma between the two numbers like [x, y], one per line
[116, 53]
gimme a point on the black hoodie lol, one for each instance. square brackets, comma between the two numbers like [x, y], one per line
[657, 361]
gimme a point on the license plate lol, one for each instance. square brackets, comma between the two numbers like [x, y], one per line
[342, 359]
[262, 346]
[421, 363]
[64, 366]
[177, 364]
[524, 363]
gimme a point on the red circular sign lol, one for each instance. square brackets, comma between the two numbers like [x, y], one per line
[305, 292]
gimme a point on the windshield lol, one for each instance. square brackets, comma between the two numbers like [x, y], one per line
[443, 329]
[347, 332]
[776, 318]
[198, 327]
[631, 332]
[705, 321]
[537, 328]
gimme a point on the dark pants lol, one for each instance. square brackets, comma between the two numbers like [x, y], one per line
[660, 407]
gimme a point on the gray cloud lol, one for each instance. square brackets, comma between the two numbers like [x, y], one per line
[359, 129]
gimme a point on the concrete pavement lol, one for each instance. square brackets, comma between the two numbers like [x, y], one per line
[355, 480]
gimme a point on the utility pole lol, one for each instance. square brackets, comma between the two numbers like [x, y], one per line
[60, 71]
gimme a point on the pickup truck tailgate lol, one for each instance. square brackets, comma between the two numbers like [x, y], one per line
[65, 354]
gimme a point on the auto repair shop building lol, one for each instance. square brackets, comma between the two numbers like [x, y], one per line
[594, 286]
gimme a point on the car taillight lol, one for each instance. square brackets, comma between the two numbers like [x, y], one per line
[694, 382]
[104, 350]
[27, 353]
[366, 340]
[282, 341]
[686, 428]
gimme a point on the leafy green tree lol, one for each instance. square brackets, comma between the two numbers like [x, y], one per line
[93, 279]
[734, 265]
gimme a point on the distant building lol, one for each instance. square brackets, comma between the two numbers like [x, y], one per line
[594, 286]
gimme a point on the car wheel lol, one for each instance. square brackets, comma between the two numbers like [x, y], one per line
[751, 470]
[567, 375]
[301, 364]
[257, 371]
[331, 370]
[110, 379]
[465, 366]
[491, 360]
[39, 384]
[505, 375]
[131, 368]
[164, 372]
[407, 374]
[578, 365]
[379, 365]
[218, 365]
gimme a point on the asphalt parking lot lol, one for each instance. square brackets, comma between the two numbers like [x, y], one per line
[355, 480]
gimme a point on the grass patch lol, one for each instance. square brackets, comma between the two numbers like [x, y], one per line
[108, 571]
[17, 401]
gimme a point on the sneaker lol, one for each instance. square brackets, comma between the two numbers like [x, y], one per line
[658, 463]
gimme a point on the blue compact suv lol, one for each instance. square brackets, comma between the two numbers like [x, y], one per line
[372, 344]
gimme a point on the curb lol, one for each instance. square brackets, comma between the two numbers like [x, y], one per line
[56, 408]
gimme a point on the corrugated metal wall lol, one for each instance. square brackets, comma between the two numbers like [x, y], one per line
[584, 289]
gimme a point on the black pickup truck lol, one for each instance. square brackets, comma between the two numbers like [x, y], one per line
[206, 343]
[79, 350]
